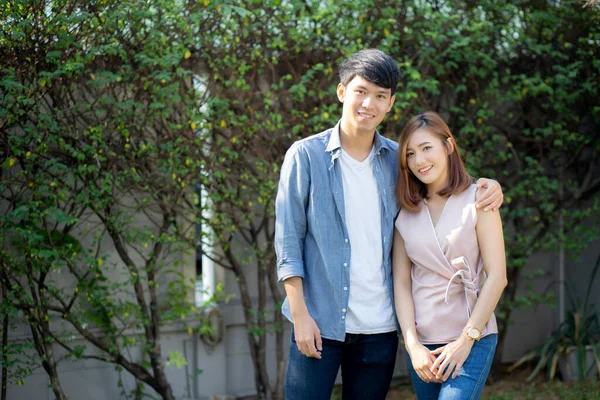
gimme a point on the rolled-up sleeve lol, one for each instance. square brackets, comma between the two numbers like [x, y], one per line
[290, 213]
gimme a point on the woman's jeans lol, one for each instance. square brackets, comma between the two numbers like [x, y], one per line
[367, 363]
[471, 377]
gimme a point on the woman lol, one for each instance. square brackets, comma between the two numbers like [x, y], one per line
[448, 263]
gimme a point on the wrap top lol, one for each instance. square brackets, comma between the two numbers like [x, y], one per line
[447, 268]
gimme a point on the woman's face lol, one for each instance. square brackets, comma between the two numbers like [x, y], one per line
[427, 158]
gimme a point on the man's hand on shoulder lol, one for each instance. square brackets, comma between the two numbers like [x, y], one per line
[492, 196]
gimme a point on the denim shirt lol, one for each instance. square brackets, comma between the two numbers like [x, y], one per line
[311, 235]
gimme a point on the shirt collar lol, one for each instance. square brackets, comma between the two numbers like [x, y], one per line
[334, 139]
[335, 145]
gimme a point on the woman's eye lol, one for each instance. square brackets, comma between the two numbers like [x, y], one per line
[409, 154]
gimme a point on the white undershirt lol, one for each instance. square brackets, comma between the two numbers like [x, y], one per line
[370, 307]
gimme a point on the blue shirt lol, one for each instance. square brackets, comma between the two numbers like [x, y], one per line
[311, 236]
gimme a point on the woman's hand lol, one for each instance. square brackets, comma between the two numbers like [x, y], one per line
[451, 357]
[422, 361]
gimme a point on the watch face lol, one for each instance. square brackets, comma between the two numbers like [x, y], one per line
[474, 333]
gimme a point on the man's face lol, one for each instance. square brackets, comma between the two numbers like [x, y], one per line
[365, 104]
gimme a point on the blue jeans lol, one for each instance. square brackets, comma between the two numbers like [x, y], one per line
[471, 378]
[367, 363]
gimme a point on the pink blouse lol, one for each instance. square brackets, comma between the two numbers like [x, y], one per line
[447, 269]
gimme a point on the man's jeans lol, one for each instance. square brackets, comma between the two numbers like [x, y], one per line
[367, 363]
[470, 380]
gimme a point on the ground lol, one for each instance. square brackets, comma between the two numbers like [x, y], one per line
[514, 386]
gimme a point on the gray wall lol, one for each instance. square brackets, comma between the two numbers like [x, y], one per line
[96, 380]
[533, 325]
[227, 368]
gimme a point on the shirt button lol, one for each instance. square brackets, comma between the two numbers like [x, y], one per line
[345, 264]
[345, 288]
[346, 240]
[343, 317]
[343, 310]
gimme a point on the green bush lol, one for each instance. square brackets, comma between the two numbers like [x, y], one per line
[154, 99]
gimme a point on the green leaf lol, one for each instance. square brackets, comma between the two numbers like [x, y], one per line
[176, 359]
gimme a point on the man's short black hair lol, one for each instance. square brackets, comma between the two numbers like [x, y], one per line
[373, 65]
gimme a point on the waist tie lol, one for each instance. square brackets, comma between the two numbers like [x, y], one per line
[466, 278]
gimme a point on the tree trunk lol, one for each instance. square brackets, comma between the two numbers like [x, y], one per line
[161, 379]
[163, 386]
[167, 393]
[280, 355]
[40, 329]
[262, 327]
[49, 364]
[261, 377]
[4, 344]
[55, 383]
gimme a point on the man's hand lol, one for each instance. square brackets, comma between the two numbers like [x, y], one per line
[306, 331]
[308, 336]
[492, 198]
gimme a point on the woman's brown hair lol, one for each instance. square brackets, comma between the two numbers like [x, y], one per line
[410, 191]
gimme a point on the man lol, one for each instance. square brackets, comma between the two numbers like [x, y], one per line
[335, 213]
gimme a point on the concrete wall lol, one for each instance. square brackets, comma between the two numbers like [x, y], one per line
[532, 326]
[227, 368]
[97, 380]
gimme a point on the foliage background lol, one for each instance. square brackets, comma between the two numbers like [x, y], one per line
[153, 100]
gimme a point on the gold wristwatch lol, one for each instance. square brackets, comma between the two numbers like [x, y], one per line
[472, 332]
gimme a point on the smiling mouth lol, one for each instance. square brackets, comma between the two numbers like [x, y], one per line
[425, 170]
[366, 116]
